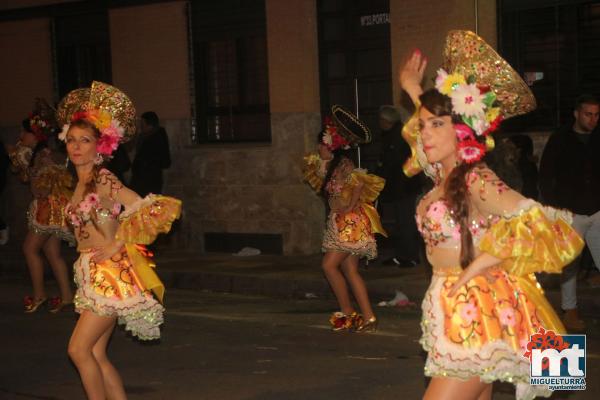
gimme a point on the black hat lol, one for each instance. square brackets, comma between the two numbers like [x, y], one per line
[350, 127]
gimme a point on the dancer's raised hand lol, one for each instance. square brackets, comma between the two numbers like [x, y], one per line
[411, 74]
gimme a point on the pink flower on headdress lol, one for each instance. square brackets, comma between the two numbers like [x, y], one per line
[92, 198]
[107, 144]
[471, 150]
[463, 132]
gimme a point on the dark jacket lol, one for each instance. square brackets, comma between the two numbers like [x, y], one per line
[569, 174]
[395, 151]
[152, 156]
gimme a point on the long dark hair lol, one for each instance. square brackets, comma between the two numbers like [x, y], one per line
[455, 189]
[90, 186]
[338, 156]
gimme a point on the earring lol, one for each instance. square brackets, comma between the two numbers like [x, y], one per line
[98, 160]
[67, 162]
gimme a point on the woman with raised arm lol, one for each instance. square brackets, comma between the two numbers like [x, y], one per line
[483, 239]
[114, 275]
[39, 163]
[352, 221]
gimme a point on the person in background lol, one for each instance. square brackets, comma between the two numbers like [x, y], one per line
[40, 165]
[400, 190]
[569, 179]
[527, 166]
[151, 157]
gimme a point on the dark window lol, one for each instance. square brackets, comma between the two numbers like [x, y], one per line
[355, 58]
[231, 72]
[82, 50]
[555, 47]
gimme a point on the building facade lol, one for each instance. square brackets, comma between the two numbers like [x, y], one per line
[240, 94]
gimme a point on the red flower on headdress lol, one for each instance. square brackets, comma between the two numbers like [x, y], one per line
[463, 132]
[331, 138]
[494, 125]
[470, 150]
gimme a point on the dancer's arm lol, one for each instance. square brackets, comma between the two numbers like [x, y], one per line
[411, 75]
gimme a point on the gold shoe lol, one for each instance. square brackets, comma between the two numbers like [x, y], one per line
[56, 305]
[342, 322]
[369, 325]
[31, 304]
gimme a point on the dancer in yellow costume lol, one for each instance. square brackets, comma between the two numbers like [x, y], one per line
[484, 240]
[114, 274]
[353, 220]
[37, 161]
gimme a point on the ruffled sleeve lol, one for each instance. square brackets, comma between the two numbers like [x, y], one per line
[146, 218]
[20, 157]
[530, 242]
[311, 171]
[372, 185]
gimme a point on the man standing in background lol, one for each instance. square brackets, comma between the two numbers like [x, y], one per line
[151, 157]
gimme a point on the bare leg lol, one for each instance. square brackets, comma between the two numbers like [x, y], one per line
[487, 393]
[331, 267]
[113, 385]
[455, 389]
[32, 245]
[59, 267]
[88, 331]
[359, 289]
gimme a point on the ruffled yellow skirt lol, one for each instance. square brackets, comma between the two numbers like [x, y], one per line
[46, 217]
[350, 233]
[484, 329]
[112, 288]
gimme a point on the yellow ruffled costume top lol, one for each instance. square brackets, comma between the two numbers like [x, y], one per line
[314, 173]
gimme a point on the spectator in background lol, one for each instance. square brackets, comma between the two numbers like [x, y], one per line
[569, 179]
[151, 157]
[527, 166]
[399, 189]
[120, 163]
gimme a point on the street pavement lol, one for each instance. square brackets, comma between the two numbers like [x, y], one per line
[228, 346]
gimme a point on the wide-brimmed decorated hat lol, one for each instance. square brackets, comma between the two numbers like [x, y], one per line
[484, 90]
[349, 126]
[105, 106]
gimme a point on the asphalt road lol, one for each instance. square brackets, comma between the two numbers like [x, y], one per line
[228, 347]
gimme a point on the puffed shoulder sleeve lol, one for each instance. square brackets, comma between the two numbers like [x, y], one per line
[311, 173]
[534, 239]
[370, 187]
[371, 184]
[142, 221]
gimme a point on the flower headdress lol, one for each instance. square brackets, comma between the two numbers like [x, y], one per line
[104, 106]
[484, 90]
[331, 138]
[475, 105]
[41, 120]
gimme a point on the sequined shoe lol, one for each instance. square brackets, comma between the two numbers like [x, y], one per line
[31, 304]
[342, 322]
[56, 304]
[369, 325]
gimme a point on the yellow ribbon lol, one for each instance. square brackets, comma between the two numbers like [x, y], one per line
[143, 267]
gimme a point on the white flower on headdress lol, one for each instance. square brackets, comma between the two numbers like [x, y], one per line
[63, 134]
[441, 77]
[467, 101]
[480, 125]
